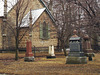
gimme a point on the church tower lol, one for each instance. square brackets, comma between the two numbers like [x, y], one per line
[4, 27]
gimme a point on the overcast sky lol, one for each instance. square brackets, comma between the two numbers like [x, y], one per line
[1, 8]
[10, 4]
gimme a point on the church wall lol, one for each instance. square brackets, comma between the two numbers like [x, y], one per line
[1, 22]
[12, 19]
[25, 38]
[36, 41]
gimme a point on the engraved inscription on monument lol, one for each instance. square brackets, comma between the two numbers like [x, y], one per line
[74, 46]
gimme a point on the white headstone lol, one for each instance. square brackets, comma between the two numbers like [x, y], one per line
[51, 50]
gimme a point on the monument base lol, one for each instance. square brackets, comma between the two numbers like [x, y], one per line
[48, 57]
[76, 60]
[76, 54]
[29, 59]
[89, 54]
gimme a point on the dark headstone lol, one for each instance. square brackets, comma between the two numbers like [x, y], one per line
[76, 55]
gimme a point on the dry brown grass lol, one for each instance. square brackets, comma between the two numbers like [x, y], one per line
[43, 66]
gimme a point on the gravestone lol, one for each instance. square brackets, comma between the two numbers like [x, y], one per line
[76, 54]
[51, 52]
[29, 55]
[87, 47]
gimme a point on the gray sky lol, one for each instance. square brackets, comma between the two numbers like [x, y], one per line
[1, 8]
[10, 4]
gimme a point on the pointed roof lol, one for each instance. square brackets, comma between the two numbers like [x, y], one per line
[48, 11]
[35, 15]
[41, 1]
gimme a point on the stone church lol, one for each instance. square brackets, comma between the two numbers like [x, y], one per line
[44, 32]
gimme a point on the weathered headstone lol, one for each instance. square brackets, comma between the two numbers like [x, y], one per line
[87, 47]
[76, 54]
[29, 55]
[51, 52]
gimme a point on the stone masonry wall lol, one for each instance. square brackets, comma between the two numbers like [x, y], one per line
[1, 22]
[36, 41]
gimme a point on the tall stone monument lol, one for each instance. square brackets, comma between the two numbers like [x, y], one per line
[29, 55]
[87, 47]
[76, 54]
[51, 52]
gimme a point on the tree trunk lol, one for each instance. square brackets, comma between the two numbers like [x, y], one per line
[16, 54]
[58, 45]
[17, 51]
[17, 35]
[64, 49]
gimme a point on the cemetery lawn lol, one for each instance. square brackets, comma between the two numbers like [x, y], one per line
[43, 66]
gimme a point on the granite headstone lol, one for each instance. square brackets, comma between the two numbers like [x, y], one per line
[76, 54]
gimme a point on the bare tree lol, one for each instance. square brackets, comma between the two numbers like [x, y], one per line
[62, 14]
[15, 22]
[91, 9]
[82, 15]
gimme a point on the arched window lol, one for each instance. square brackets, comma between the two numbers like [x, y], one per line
[44, 31]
